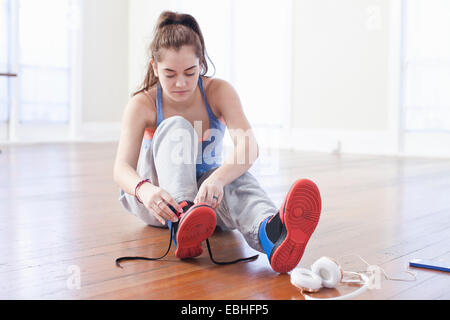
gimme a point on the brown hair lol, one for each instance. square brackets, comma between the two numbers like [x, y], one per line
[172, 31]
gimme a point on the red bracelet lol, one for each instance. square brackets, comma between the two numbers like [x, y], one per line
[137, 187]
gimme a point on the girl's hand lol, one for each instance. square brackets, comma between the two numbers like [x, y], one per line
[156, 200]
[210, 192]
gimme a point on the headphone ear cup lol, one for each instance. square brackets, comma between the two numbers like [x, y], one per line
[329, 271]
[306, 280]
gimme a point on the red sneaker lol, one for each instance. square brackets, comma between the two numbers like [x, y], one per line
[285, 235]
[196, 224]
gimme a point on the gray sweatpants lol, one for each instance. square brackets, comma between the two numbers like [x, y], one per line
[171, 165]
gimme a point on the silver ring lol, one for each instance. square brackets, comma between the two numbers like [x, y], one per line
[215, 197]
[159, 202]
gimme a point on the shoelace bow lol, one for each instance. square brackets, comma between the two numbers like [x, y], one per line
[119, 260]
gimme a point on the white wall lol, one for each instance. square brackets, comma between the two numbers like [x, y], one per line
[104, 67]
[142, 18]
[345, 86]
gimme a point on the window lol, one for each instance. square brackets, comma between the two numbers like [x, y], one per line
[44, 65]
[4, 56]
[426, 76]
[37, 43]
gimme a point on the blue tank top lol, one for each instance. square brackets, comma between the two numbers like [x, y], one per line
[209, 149]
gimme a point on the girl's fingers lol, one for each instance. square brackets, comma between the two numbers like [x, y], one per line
[172, 202]
[169, 213]
[217, 201]
[209, 197]
[214, 203]
[157, 216]
[201, 196]
[162, 214]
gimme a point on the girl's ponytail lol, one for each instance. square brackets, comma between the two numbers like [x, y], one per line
[172, 31]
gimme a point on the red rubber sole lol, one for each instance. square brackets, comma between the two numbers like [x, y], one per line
[300, 213]
[195, 226]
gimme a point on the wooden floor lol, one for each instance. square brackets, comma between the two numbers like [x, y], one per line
[59, 214]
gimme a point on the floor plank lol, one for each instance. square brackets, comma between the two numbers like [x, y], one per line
[60, 212]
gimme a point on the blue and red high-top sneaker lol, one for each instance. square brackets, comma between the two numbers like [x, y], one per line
[195, 224]
[285, 235]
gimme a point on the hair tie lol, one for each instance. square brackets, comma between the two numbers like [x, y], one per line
[175, 22]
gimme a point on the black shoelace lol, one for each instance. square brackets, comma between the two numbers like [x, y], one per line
[119, 260]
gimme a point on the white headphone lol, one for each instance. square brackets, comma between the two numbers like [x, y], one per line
[327, 273]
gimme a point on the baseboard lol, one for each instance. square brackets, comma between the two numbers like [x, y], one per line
[87, 132]
[38, 133]
[432, 144]
[345, 141]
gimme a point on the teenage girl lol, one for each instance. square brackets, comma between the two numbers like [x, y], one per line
[169, 163]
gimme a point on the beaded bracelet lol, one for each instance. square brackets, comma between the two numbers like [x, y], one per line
[137, 187]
